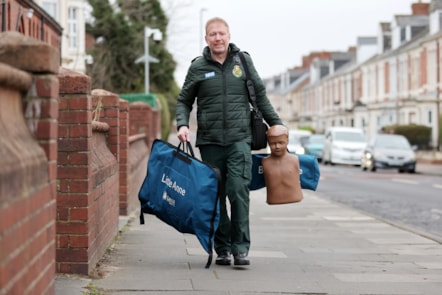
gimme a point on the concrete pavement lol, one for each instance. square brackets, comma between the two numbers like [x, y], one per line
[312, 247]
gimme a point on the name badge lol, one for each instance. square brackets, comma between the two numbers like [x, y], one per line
[209, 75]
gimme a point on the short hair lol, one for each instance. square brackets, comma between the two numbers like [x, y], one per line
[277, 130]
[215, 20]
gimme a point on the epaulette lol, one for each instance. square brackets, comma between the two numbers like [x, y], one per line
[196, 58]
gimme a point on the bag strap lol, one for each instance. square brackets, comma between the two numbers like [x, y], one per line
[212, 221]
[249, 82]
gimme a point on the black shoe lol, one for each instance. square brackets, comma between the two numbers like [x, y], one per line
[241, 259]
[223, 258]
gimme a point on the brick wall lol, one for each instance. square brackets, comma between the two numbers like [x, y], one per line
[140, 119]
[71, 161]
[28, 151]
[87, 199]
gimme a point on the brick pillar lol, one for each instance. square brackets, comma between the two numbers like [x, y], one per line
[87, 199]
[124, 149]
[105, 107]
[28, 152]
[74, 171]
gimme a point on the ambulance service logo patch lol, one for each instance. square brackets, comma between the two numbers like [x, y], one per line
[237, 71]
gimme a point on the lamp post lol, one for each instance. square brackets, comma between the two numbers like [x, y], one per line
[29, 14]
[157, 36]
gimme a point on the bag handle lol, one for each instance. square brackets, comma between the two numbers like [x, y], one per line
[249, 82]
[186, 147]
[183, 151]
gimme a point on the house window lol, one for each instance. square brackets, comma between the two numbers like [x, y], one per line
[403, 34]
[430, 119]
[73, 27]
[412, 118]
[51, 7]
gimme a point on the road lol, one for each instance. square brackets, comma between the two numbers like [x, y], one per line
[413, 201]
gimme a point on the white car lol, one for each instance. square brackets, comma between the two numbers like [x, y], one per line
[343, 145]
[297, 138]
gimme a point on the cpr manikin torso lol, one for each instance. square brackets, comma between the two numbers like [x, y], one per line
[281, 169]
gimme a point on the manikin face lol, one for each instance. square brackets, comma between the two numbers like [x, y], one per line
[278, 144]
[217, 37]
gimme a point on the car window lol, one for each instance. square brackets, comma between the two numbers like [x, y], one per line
[349, 136]
[316, 139]
[393, 142]
[297, 139]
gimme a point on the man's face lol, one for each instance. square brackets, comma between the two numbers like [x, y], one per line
[278, 145]
[217, 38]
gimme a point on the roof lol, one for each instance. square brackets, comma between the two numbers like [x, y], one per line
[435, 5]
[412, 20]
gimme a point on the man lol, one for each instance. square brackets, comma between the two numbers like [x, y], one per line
[217, 79]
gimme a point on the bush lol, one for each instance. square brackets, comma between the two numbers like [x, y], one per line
[308, 128]
[165, 117]
[419, 135]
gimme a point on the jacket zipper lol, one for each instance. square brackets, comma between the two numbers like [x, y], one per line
[224, 105]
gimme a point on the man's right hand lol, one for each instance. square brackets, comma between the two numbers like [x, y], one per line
[184, 134]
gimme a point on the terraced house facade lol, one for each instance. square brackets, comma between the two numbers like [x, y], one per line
[391, 78]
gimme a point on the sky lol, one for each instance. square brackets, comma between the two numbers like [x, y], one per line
[276, 33]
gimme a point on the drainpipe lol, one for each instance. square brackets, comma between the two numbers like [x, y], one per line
[3, 15]
[20, 13]
[42, 29]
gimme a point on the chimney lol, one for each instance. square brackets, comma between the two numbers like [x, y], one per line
[420, 8]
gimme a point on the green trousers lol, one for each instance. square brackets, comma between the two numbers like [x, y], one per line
[235, 164]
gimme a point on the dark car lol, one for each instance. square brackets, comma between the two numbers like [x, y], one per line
[389, 151]
[314, 146]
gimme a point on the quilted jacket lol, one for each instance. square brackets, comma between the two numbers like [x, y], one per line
[223, 111]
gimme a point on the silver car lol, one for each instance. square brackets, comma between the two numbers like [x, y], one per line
[386, 151]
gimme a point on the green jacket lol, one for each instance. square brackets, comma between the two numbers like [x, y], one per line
[223, 111]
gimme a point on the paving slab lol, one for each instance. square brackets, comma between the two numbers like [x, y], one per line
[312, 247]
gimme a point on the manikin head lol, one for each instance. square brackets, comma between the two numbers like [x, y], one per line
[278, 139]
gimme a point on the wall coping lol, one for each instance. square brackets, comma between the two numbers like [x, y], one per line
[101, 127]
[13, 78]
[137, 137]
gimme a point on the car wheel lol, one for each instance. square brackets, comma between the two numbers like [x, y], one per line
[372, 166]
[412, 170]
[324, 160]
[331, 160]
[401, 170]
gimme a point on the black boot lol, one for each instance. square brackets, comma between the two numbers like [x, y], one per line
[241, 259]
[223, 258]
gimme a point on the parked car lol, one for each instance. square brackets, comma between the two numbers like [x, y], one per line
[297, 138]
[389, 151]
[314, 145]
[343, 145]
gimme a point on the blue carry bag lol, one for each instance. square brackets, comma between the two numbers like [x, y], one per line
[307, 164]
[182, 191]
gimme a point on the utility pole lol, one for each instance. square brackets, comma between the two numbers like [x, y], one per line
[157, 37]
[437, 96]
